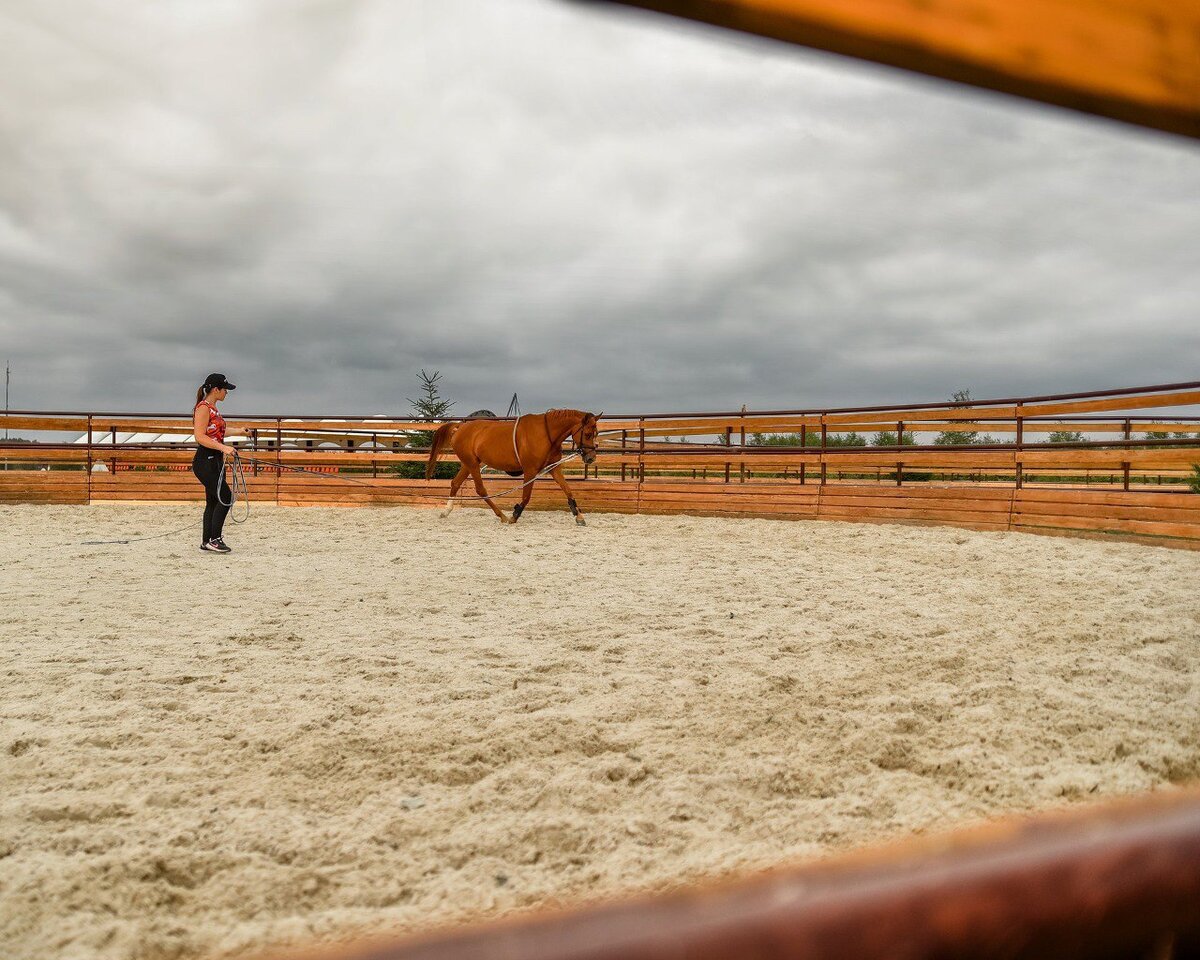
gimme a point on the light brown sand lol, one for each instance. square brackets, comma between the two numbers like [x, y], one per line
[378, 719]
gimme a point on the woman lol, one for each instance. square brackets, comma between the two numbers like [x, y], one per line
[208, 427]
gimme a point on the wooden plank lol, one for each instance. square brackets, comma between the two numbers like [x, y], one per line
[1033, 509]
[1000, 508]
[1076, 495]
[1155, 528]
[1131, 60]
[915, 492]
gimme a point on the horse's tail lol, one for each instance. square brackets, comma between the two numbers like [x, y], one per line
[440, 439]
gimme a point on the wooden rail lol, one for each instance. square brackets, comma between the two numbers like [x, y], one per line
[1108, 881]
[1108, 478]
[1132, 60]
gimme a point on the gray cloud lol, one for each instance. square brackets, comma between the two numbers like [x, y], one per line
[589, 208]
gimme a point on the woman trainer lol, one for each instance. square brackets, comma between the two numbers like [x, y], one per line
[208, 427]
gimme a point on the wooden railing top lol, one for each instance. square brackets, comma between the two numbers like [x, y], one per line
[1109, 880]
[1132, 60]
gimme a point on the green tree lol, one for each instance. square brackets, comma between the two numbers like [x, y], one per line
[429, 405]
[1194, 479]
[887, 438]
[812, 438]
[954, 438]
[1065, 436]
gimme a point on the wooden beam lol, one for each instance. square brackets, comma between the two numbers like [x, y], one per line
[1132, 60]
[1097, 882]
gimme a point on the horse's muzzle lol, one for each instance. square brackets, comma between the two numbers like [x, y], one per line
[589, 457]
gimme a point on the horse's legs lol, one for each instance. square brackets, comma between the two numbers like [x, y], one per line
[482, 491]
[526, 493]
[557, 474]
[463, 473]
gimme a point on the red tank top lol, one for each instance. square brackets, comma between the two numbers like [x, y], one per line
[216, 422]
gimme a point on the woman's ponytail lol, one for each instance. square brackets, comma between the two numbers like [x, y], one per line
[199, 394]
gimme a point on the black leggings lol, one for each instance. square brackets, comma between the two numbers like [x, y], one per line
[206, 465]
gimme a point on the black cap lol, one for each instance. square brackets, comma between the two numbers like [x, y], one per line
[217, 381]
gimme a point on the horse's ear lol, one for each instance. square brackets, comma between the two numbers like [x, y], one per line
[598, 415]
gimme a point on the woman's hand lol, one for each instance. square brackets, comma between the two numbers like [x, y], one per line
[227, 449]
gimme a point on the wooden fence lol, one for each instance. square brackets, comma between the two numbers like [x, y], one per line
[1114, 467]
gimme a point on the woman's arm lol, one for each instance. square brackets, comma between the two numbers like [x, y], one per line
[199, 425]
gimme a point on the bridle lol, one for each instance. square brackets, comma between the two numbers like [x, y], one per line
[581, 450]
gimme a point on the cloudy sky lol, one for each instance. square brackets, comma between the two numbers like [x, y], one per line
[591, 208]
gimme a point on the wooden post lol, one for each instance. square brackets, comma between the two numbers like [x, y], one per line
[113, 464]
[900, 444]
[624, 438]
[728, 444]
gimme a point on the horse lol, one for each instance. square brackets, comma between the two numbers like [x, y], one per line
[530, 446]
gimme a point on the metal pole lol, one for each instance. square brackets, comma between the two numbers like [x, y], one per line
[1019, 479]
[742, 463]
[278, 455]
[6, 378]
[824, 441]
[1125, 465]
[641, 453]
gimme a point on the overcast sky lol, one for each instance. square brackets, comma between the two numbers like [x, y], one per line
[591, 208]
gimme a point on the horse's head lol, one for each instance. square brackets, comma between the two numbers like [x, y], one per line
[584, 436]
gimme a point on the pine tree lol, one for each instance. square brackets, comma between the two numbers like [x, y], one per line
[431, 405]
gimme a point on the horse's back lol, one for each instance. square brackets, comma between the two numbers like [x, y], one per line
[489, 441]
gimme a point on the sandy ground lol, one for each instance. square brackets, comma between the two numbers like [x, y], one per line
[376, 719]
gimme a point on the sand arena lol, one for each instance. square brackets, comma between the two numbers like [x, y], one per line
[374, 719]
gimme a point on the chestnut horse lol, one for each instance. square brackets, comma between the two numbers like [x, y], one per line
[529, 447]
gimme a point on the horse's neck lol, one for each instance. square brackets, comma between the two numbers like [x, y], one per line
[560, 423]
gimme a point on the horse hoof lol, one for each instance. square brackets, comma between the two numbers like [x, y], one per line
[579, 522]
